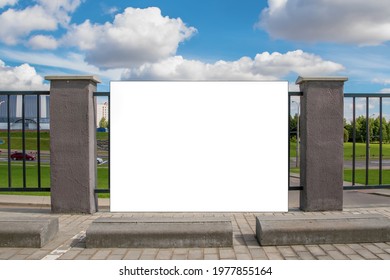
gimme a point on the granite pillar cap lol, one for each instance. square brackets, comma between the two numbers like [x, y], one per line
[301, 79]
[73, 78]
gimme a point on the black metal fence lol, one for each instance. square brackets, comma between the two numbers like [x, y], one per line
[372, 102]
[107, 95]
[25, 113]
[16, 117]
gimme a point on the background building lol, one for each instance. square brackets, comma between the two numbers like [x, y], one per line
[101, 112]
[30, 111]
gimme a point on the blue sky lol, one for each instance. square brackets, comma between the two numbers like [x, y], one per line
[200, 40]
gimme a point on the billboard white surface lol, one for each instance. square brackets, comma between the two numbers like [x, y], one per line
[199, 146]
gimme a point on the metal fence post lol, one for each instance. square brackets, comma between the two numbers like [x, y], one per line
[72, 144]
[322, 155]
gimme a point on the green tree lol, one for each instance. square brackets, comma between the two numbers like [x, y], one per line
[293, 127]
[103, 123]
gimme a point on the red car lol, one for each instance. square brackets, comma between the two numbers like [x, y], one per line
[19, 156]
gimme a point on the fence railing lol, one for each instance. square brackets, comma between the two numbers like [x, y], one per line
[297, 96]
[19, 118]
[96, 95]
[16, 119]
[368, 171]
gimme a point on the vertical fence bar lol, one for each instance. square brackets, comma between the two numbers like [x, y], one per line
[289, 112]
[380, 140]
[109, 140]
[39, 140]
[367, 139]
[353, 140]
[24, 140]
[9, 141]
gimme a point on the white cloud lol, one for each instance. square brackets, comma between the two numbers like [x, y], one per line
[385, 90]
[134, 37]
[60, 9]
[46, 15]
[4, 3]
[69, 61]
[17, 23]
[382, 81]
[360, 22]
[264, 66]
[23, 77]
[43, 42]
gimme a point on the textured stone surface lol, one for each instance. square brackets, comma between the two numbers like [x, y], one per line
[72, 144]
[321, 161]
[27, 231]
[337, 229]
[161, 233]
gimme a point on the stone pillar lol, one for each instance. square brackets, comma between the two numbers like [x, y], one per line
[72, 144]
[322, 154]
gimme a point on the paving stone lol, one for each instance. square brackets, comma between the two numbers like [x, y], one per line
[70, 255]
[324, 257]
[270, 249]
[305, 255]
[367, 255]
[18, 257]
[299, 248]
[179, 256]
[336, 255]
[372, 248]
[315, 250]
[180, 251]
[355, 246]
[258, 254]
[242, 256]
[27, 251]
[37, 255]
[227, 254]
[382, 245]
[101, 255]
[286, 251]
[211, 256]
[355, 257]
[164, 254]
[384, 256]
[346, 250]
[210, 250]
[148, 257]
[150, 251]
[292, 258]
[119, 251]
[275, 256]
[241, 249]
[195, 254]
[133, 254]
[7, 253]
[83, 257]
[88, 252]
[327, 247]
[115, 257]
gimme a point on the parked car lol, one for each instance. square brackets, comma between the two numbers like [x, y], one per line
[19, 156]
[99, 160]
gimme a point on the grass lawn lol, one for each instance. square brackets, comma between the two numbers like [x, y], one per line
[32, 177]
[360, 151]
[360, 176]
[373, 176]
[31, 140]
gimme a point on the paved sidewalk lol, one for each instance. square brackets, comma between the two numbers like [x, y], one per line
[69, 243]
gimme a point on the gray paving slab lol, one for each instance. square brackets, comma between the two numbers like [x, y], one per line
[243, 231]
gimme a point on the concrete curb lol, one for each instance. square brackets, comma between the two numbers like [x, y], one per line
[27, 231]
[160, 233]
[335, 229]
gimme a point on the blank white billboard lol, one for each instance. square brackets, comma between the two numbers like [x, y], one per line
[199, 146]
